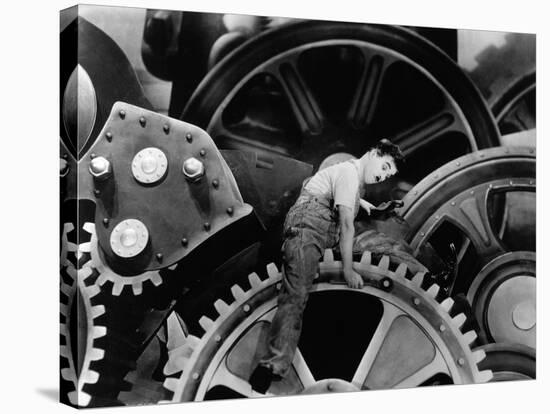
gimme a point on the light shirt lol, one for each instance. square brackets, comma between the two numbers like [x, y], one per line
[340, 182]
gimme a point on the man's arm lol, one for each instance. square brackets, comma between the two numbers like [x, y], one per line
[347, 231]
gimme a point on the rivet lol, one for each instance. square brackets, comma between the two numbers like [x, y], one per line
[142, 121]
[461, 361]
[65, 156]
[416, 301]
[215, 183]
[452, 203]
[166, 128]
[92, 155]
[472, 192]
[437, 217]
[416, 193]
[482, 155]
[206, 226]
[229, 210]
[195, 375]
[511, 183]
[422, 234]
[218, 338]
[442, 328]
[202, 152]
[246, 308]
[286, 194]
[184, 242]
[531, 182]
[106, 221]
[189, 137]
[457, 164]
[97, 192]
[159, 257]
[436, 177]
[490, 185]
[122, 114]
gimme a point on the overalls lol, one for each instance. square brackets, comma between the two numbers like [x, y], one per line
[311, 226]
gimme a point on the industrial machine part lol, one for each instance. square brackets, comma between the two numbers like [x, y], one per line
[94, 74]
[161, 188]
[484, 203]
[309, 90]
[412, 341]
[509, 362]
[79, 339]
[515, 107]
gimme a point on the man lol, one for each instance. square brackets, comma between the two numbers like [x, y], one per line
[322, 216]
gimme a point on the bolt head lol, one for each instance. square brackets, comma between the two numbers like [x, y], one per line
[159, 257]
[166, 128]
[189, 137]
[193, 169]
[106, 221]
[416, 301]
[215, 183]
[122, 114]
[246, 308]
[206, 226]
[461, 361]
[109, 136]
[184, 242]
[202, 152]
[100, 168]
[230, 210]
[142, 121]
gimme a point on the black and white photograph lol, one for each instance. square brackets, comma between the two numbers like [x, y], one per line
[262, 206]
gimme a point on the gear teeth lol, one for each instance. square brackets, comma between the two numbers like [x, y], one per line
[366, 257]
[84, 273]
[272, 270]
[117, 289]
[99, 332]
[98, 311]
[470, 337]
[401, 270]
[89, 227]
[221, 307]
[93, 290]
[254, 280]
[177, 359]
[64, 352]
[433, 290]
[485, 376]
[479, 355]
[173, 267]
[137, 288]
[156, 279]
[328, 256]
[175, 332]
[418, 279]
[66, 374]
[447, 304]
[384, 263]
[459, 320]
[171, 384]
[238, 293]
[206, 323]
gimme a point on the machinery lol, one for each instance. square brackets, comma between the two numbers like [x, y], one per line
[171, 228]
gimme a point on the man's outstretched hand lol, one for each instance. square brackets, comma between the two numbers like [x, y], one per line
[353, 279]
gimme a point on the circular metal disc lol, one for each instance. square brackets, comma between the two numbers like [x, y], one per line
[149, 165]
[129, 238]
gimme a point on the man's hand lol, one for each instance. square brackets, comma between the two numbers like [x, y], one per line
[353, 279]
[366, 205]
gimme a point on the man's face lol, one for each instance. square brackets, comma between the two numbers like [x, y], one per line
[378, 168]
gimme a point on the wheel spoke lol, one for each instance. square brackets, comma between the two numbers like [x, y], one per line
[223, 377]
[472, 216]
[364, 101]
[302, 101]
[390, 314]
[302, 369]
[436, 366]
[232, 140]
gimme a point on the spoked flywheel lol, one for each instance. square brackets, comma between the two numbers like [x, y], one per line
[393, 333]
[317, 90]
[484, 203]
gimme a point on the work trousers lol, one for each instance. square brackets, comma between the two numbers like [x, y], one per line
[311, 226]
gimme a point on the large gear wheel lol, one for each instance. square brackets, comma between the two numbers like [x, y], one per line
[107, 274]
[414, 339]
[484, 203]
[77, 356]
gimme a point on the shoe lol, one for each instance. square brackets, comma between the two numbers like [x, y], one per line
[261, 379]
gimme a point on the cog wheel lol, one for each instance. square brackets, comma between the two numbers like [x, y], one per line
[509, 362]
[484, 203]
[414, 339]
[107, 274]
[75, 301]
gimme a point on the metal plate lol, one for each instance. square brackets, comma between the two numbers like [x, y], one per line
[172, 210]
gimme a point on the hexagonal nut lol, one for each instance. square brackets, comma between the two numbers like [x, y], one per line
[193, 169]
[100, 168]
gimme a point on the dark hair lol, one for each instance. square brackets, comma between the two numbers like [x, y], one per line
[385, 147]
